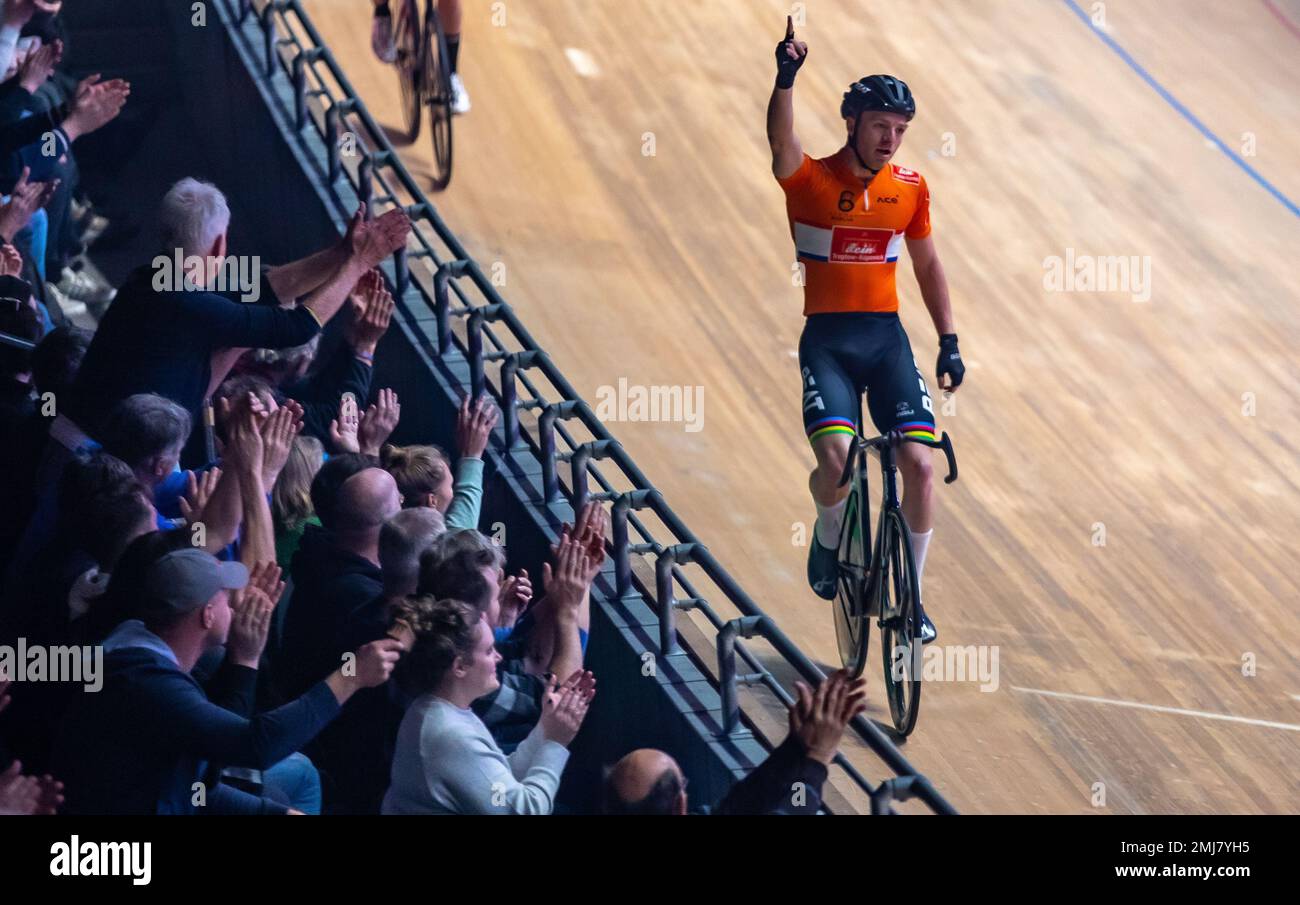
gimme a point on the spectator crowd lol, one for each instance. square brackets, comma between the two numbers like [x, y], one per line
[294, 615]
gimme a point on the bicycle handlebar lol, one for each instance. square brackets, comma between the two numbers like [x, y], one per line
[943, 443]
[946, 445]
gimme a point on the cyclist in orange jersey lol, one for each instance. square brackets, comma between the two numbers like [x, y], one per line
[850, 214]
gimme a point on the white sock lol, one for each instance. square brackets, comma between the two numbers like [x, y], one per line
[920, 544]
[829, 521]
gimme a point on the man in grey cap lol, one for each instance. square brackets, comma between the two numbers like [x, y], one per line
[186, 605]
[153, 730]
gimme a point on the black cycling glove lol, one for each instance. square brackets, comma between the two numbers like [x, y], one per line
[950, 362]
[785, 66]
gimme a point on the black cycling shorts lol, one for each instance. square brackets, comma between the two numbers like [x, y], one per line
[843, 354]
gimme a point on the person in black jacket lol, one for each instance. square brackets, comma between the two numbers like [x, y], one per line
[789, 781]
[337, 582]
[179, 341]
[354, 752]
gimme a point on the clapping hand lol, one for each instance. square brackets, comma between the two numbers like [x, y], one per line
[39, 66]
[378, 422]
[198, 491]
[516, 594]
[567, 584]
[96, 103]
[372, 312]
[11, 261]
[370, 241]
[251, 609]
[564, 707]
[244, 448]
[818, 718]
[474, 425]
[343, 429]
[25, 200]
[278, 431]
[589, 533]
[27, 795]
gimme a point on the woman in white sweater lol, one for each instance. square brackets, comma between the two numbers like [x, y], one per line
[446, 761]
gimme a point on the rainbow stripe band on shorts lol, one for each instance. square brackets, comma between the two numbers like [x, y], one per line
[830, 426]
[922, 429]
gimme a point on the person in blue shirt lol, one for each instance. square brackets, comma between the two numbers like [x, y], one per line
[147, 432]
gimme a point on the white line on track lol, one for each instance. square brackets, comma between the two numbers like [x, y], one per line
[1291, 727]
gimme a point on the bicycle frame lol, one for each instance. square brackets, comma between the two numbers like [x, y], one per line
[885, 445]
[429, 7]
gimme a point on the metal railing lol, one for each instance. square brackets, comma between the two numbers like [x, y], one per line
[290, 43]
[16, 342]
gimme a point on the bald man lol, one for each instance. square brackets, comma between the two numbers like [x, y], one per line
[339, 606]
[789, 781]
[337, 582]
[647, 781]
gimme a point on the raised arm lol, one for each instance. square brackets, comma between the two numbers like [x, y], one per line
[296, 279]
[291, 281]
[787, 153]
[367, 243]
[566, 610]
[245, 455]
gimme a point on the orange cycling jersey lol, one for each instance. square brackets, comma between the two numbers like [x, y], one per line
[848, 238]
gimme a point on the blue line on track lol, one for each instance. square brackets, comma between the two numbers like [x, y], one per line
[1182, 109]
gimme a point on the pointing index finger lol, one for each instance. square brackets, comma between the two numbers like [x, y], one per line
[789, 28]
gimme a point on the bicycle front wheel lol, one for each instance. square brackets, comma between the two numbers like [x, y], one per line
[410, 72]
[437, 81]
[852, 624]
[899, 596]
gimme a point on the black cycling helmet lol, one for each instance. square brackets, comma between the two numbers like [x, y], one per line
[878, 92]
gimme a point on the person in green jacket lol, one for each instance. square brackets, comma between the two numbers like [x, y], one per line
[291, 507]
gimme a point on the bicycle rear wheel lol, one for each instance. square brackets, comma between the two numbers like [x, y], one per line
[437, 81]
[852, 624]
[900, 624]
[406, 35]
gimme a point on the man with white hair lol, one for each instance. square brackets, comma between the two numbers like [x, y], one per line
[177, 325]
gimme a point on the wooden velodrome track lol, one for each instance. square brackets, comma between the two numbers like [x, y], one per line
[1125, 527]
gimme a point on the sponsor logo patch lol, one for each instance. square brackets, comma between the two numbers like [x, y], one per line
[855, 245]
[903, 174]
